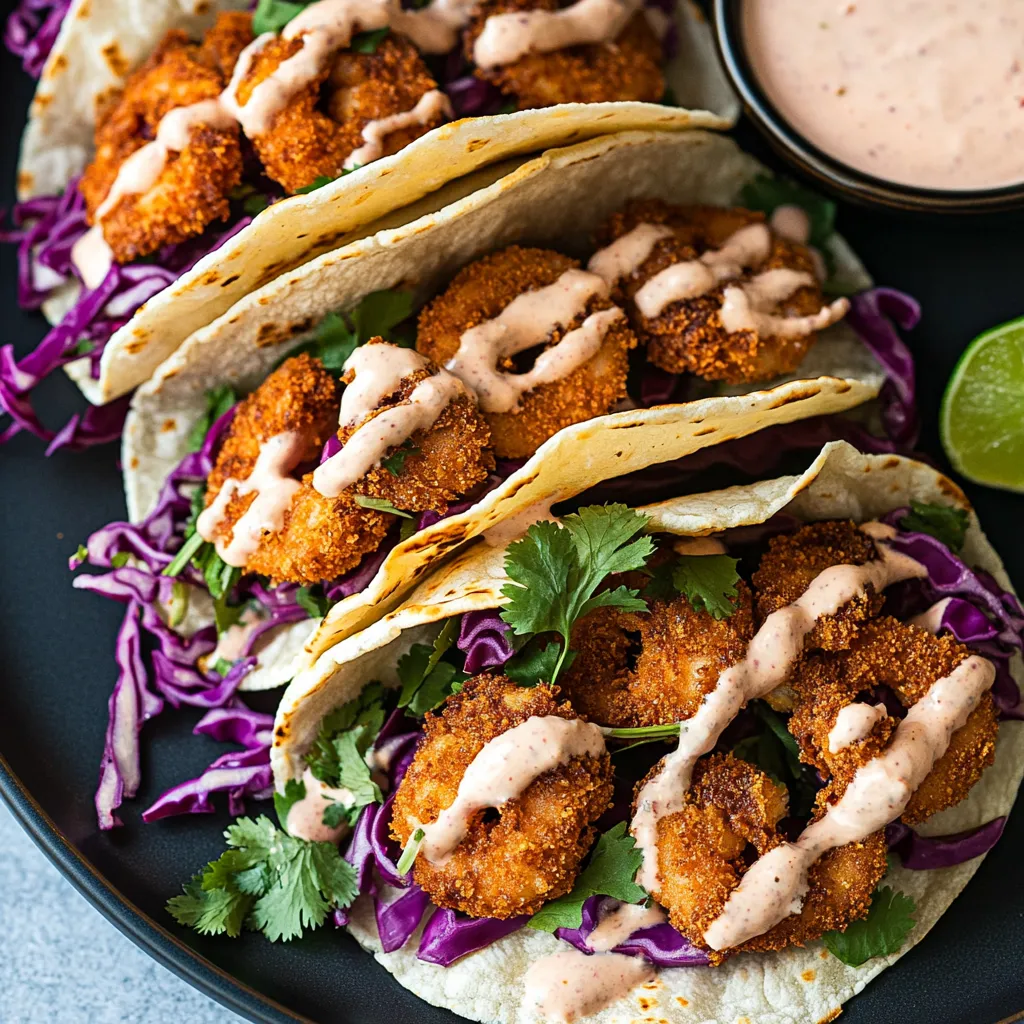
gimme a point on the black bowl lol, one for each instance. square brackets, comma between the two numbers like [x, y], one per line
[828, 172]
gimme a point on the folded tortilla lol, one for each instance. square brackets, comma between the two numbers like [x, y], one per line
[102, 41]
[556, 199]
[794, 986]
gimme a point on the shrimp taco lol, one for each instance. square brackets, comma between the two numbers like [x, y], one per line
[179, 155]
[641, 754]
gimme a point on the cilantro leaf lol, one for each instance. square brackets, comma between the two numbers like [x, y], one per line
[395, 462]
[82, 348]
[214, 912]
[294, 791]
[315, 604]
[218, 401]
[367, 42]
[273, 15]
[267, 881]
[536, 664]
[556, 570]
[767, 193]
[611, 870]
[178, 607]
[426, 679]
[881, 933]
[381, 505]
[380, 313]
[335, 814]
[318, 182]
[946, 524]
[708, 582]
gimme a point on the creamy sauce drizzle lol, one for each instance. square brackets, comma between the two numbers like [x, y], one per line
[791, 222]
[233, 641]
[775, 885]
[379, 370]
[274, 488]
[432, 104]
[568, 985]
[928, 94]
[853, 724]
[748, 307]
[769, 659]
[617, 925]
[503, 769]
[507, 38]
[306, 816]
[527, 321]
[931, 620]
[436, 27]
[624, 257]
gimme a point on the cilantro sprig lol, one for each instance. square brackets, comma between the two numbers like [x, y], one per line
[267, 881]
[881, 933]
[395, 462]
[613, 865]
[218, 401]
[946, 524]
[556, 570]
[381, 505]
[708, 582]
[426, 679]
[340, 334]
[273, 15]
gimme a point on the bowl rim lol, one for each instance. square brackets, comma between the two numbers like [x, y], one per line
[816, 163]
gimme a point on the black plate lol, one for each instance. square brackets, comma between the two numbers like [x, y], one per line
[58, 670]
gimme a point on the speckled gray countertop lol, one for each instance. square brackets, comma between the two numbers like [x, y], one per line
[60, 961]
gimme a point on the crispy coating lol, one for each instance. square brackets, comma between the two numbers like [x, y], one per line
[230, 35]
[453, 455]
[908, 660]
[321, 538]
[649, 669]
[794, 560]
[627, 69]
[731, 816]
[731, 813]
[479, 292]
[191, 191]
[528, 851]
[688, 336]
[323, 123]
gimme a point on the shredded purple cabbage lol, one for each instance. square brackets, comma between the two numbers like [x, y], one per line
[449, 936]
[872, 315]
[661, 944]
[32, 29]
[925, 853]
[398, 920]
[46, 229]
[484, 639]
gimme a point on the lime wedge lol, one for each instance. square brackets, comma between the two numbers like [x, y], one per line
[982, 419]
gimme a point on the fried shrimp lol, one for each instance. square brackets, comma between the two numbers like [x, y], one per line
[526, 852]
[627, 69]
[322, 125]
[632, 670]
[230, 35]
[688, 336]
[794, 560]
[731, 816]
[321, 538]
[731, 813]
[908, 660]
[191, 190]
[479, 292]
[441, 463]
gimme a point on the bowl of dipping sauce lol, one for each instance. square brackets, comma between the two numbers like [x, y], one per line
[916, 104]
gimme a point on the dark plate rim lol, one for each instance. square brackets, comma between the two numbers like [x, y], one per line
[147, 934]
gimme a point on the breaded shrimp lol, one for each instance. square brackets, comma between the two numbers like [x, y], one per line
[479, 292]
[321, 538]
[447, 460]
[191, 191]
[322, 125]
[529, 850]
[908, 660]
[731, 815]
[230, 35]
[635, 669]
[627, 69]
[794, 560]
[688, 336]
